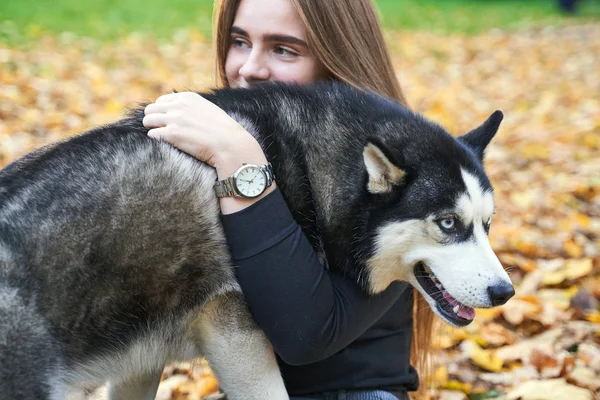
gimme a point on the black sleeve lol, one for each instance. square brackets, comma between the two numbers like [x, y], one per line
[307, 312]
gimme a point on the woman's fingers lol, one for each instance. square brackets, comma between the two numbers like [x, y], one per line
[200, 128]
[158, 108]
[159, 133]
[168, 97]
[155, 120]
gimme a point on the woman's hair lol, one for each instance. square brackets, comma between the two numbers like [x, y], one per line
[347, 39]
[344, 36]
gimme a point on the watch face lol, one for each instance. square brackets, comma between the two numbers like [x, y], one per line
[250, 181]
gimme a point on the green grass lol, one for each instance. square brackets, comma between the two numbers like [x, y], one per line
[105, 19]
[111, 19]
[474, 16]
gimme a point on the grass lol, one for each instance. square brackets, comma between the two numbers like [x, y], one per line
[474, 16]
[106, 19]
[111, 19]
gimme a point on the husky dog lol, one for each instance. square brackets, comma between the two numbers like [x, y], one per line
[113, 260]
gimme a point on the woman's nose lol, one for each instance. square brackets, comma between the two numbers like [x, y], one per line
[255, 69]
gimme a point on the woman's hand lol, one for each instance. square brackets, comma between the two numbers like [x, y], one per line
[198, 127]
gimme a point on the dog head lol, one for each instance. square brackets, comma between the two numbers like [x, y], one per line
[430, 215]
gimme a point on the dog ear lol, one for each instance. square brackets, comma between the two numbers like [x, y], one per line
[383, 174]
[480, 137]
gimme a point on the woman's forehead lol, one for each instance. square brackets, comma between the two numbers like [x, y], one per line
[268, 17]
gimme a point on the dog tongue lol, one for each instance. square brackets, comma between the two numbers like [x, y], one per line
[463, 311]
[449, 298]
[466, 312]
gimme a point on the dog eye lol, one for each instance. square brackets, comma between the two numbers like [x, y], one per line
[447, 223]
[487, 224]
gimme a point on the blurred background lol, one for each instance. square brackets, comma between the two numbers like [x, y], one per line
[68, 65]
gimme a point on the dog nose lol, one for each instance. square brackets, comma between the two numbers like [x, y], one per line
[499, 294]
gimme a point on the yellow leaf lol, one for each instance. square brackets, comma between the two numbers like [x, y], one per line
[593, 317]
[456, 385]
[573, 269]
[582, 220]
[485, 358]
[487, 314]
[591, 140]
[578, 268]
[554, 278]
[208, 385]
[573, 249]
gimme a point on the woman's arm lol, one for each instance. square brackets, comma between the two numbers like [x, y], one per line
[198, 127]
[306, 312]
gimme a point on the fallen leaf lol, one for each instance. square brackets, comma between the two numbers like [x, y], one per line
[457, 386]
[549, 364]
[496, 335]
[589, 355]
[551, 389]
[485, 359]
[513, 377]
[452, 395]
[573, 269]
[517, 309]
[543, 164]
[584, 377]
[168, 386]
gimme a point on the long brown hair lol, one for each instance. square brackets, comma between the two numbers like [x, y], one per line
[345, 36]
[347, 39]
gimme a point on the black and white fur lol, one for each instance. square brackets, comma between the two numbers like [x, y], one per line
[113, 261]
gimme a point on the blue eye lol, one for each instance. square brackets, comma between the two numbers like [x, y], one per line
[447, 223]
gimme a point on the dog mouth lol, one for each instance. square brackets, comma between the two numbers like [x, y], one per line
[447, 306]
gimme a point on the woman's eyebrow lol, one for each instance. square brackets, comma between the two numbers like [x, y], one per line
[239, 31]
[273, 37]
[285, 39]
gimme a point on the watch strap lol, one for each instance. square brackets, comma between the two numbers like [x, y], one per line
[268, 170]
[226, 187]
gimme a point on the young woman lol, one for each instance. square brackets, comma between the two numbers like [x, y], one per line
[332, 340]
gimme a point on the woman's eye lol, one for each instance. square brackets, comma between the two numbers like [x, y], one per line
[284, 51]
[239, 42]
[447, 223]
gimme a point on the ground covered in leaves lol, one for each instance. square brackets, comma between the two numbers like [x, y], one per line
[544, 164]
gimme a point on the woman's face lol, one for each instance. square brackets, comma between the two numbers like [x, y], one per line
[268, 42]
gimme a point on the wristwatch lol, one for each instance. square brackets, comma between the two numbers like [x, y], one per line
[249, 181]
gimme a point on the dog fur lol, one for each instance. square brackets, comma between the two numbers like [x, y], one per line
[113, 261]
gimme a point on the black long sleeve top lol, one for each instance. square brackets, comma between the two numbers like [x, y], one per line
[326, 332]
